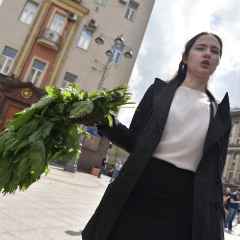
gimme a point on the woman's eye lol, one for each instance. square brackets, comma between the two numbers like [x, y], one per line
[215, 51]
[200, 48]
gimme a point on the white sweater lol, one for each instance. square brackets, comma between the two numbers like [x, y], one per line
[185, 130]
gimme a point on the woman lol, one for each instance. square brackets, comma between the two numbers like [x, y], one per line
[170, 187]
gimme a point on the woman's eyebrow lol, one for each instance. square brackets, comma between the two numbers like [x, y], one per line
[205, 45]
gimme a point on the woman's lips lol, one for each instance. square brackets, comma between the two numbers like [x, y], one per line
[205, 64]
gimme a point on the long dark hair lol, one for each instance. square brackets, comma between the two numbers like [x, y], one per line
[182, 68]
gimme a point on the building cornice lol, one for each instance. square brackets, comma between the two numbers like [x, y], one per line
[71, 6]
[233, 148]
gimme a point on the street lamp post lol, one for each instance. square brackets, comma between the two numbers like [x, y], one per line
[116, 51]
[105, 69]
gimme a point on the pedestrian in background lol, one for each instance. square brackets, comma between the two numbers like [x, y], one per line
[116, 171]
[232, 210]
[103, 167]
[177, 142]
[226, 200]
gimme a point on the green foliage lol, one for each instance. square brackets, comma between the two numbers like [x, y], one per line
[50, 130]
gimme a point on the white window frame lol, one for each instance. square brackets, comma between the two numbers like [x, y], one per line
[34, 80]
[66, 82]
[101, 2]
[28, 18]
[85, 39]
[8, 61]
[50, 25]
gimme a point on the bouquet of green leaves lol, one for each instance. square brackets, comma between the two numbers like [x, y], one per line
[50, 129]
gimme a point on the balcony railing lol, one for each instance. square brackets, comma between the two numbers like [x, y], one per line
[50, 38]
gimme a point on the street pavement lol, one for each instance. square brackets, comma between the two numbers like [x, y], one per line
[56, 207]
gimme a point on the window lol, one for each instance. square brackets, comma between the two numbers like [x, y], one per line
[123, 1]
[58, 23]
[54, 31]
[36, 71]
[7, 58]
[69, 78]
[230, 175]
[131, 9]
[101, 2]
[29, 12]
[233, 165]
[85, 39]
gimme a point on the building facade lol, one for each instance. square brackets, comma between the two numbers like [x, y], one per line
[231, 174]
[56, 42]
[60, 41]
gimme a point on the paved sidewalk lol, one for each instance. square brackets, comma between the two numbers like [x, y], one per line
[55, 208]
[235, 235]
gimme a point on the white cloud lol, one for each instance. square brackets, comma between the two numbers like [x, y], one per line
[172, 23]
[126, 112]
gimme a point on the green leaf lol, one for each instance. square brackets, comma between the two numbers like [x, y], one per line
[81, 109]
[46, 131]
[110, 120]
[37, 158]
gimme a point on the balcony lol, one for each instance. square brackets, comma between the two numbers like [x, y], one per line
[50, 39]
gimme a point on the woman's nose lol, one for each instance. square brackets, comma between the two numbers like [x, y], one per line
[207, 53]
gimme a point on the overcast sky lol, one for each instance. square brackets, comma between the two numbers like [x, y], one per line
[172, 23]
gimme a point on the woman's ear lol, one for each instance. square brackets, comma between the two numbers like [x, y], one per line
[184, 59]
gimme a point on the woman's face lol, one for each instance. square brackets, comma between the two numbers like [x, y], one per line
[203, 57]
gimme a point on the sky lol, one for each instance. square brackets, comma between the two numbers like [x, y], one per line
[171, 25]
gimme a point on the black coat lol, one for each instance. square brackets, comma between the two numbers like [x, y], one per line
[141, 139]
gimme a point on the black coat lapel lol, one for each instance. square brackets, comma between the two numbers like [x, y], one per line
[220, 124]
